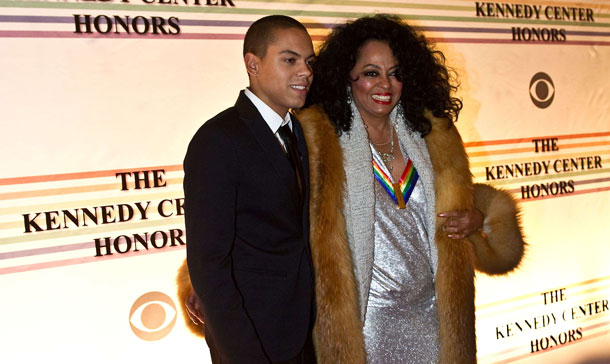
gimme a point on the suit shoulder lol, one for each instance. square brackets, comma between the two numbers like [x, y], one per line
[224, 118]
[218, 126]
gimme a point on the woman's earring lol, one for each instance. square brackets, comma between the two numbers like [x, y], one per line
[349, 95]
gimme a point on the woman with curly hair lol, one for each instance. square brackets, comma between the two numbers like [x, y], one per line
[396, 224]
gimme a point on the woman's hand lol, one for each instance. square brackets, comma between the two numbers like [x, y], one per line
[193, 309]
[461, 223]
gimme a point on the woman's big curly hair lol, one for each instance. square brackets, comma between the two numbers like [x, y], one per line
[426, 81]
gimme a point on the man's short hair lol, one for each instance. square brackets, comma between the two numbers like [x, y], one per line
[261, 33]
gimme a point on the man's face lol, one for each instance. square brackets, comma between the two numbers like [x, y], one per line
[284, 74]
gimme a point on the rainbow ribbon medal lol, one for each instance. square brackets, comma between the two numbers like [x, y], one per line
[399, 192]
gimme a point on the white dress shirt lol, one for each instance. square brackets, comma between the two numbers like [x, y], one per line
[273, 119]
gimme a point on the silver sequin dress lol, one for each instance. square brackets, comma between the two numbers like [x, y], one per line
[401, 323]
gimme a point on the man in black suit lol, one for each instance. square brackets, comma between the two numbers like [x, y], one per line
[246, 191]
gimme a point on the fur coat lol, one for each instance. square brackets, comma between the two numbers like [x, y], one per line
[341, 180]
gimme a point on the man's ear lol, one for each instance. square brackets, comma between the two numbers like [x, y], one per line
[252, 62]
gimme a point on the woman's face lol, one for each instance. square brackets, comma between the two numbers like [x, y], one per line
[376, 87]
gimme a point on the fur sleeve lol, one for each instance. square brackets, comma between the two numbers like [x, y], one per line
[183, 281]
[500, 246]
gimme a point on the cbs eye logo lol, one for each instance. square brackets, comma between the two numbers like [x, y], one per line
[152, 316]
[542, 90]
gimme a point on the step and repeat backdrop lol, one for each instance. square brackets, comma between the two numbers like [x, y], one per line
[99, 99]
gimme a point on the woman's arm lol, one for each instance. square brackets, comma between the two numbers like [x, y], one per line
[493, 227]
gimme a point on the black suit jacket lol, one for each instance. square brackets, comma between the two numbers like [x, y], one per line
[248, 238]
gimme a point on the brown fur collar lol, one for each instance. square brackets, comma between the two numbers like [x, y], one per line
[454, 281]
[338, 336]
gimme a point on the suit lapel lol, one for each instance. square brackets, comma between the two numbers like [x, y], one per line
[303, 155]
[269, 144]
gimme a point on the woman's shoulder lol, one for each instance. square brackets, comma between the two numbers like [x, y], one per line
[313, 115]
[315, 122]
[438, 123]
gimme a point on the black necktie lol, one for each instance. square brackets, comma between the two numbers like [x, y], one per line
[290, 142]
